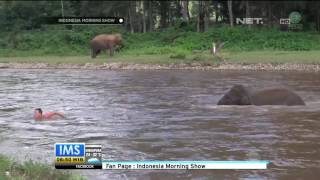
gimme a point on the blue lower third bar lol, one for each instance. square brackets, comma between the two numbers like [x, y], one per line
[250, 165]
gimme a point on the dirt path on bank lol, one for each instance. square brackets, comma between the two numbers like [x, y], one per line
[192, 66]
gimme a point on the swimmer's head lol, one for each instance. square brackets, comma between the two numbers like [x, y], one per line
[39, 110]
[38, 114]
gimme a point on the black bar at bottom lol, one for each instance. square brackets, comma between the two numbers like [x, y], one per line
[82, 166]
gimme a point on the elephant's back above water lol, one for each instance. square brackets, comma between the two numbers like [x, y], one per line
[240, 95]
[276, 96]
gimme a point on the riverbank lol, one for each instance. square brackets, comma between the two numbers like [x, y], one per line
[10, 169]
[251, 60]
[192, 66]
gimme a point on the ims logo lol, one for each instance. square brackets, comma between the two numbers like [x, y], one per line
[78, 156]
[70, 149]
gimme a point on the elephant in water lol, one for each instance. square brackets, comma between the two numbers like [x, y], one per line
[240, 95]
[105, 41]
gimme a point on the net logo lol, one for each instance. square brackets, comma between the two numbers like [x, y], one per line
[70, 149]
[249, 21]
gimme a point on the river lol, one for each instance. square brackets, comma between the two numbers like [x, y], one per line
[163, 115]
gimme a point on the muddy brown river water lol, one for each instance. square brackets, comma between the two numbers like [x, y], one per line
[163, 115]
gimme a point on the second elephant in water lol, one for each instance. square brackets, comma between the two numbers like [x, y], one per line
[240, 95]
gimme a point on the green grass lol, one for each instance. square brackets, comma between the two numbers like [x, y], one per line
[174, 42]
[244, 57]
[31, 170]
[173, 46]
[274, 57]
[134, 59]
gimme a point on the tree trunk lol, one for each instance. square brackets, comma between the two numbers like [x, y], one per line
[184, 10]
[216, 12]
[248, 12]
[62, 9]
[206, 15]
[318, 21]
[139, 17]
[270, 18]
[201, 15]
[188, 2]
[163, 14]
[144, 23]
[169, 20]
[131, 16]
[230, 12]
[150, 16]
[316, 6]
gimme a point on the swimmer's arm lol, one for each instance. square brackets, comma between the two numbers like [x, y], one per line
[59, 114]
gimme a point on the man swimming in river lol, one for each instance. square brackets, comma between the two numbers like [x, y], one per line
[38, 115]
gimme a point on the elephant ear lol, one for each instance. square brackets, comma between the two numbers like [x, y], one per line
[237, 95]
[243, 93]
[245, 100]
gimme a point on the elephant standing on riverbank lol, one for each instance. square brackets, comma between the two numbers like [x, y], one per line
[240, 95]
[105, 41]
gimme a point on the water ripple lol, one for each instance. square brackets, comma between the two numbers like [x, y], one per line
[163, 115]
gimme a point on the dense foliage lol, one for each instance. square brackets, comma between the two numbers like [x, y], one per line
[155, 27]
[143, 16]
[76, 42]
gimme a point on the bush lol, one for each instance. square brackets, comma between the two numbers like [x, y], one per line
[178, 56]
[174, 41]
[198, 57]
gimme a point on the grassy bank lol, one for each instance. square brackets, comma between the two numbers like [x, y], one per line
[204, 58]
[31, 170]
[57, 45]
[133, 59]
[273, 57]
[175, 42]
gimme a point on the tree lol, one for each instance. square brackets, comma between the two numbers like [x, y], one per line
[150, 15]
[216, 11]
[143, 16]
[201, 16]
[270, 18]
[206, 15]
[164, 6]
[131, 15]
[142, 12]
[316, 10]
[185, 10]
[230, 12]
[248, 11]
